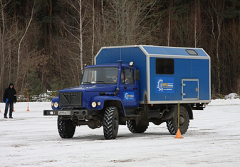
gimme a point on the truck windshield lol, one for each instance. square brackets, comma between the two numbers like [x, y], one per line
[100, 75]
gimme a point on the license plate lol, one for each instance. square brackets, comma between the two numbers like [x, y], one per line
[64, 112]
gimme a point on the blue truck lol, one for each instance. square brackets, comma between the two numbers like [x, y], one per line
[135, 85]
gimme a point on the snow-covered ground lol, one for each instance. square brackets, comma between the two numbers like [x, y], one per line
[30, 139]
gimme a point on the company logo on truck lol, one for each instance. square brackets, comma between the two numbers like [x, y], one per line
[129, 96]
[165, 85]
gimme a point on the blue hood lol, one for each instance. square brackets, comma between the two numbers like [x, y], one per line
[92, 88]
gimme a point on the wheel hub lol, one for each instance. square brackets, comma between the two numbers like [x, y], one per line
[181, 120]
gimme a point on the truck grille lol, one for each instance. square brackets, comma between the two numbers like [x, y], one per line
[70, 99]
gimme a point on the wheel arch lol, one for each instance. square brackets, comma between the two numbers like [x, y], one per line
[120, 109]
[173, 124]
[189, 109]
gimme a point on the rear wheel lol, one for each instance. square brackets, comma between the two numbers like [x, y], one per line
[131, 124]
[110, 123]
[172, 125]
[66, 128]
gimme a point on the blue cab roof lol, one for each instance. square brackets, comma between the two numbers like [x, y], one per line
[107, 65]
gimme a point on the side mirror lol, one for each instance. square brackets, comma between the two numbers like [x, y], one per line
[136, 75]
[81, 78]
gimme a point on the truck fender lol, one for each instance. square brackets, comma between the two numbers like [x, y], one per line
[55, 99]
[102, 100]
[110, 101]
[189, 109]
[120, 108]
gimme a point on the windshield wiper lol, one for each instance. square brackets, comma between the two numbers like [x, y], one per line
[98, 82]
[87, 83]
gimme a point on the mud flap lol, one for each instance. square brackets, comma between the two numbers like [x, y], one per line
[143, 120]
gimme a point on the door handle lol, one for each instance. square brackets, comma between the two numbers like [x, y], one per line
[134, 88]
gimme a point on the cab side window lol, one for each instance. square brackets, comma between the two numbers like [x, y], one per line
[127, 76]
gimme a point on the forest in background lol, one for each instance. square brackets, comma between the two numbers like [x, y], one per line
[44, 44]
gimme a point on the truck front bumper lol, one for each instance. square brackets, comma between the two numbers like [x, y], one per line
[81, 114]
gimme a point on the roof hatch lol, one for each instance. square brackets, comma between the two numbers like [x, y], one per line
[191, 52]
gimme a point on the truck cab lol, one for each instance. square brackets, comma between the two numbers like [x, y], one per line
[104, 90]
[119, 78]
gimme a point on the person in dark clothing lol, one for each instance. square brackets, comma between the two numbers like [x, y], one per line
[9, 98]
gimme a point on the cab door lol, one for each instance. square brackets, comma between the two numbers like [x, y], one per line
[129, 90]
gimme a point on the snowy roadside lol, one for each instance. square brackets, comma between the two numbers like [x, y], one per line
[30, 139]
[225, 102]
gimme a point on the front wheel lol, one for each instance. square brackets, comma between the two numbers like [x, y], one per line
[66, 128]
[110, 123]
[172, 125]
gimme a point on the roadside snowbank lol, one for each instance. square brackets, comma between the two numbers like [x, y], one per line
[225, 102]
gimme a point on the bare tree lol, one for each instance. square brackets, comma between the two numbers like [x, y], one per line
[22, 38]
[76, 31]
[2, 33]
[126, 21]
[198, 30]
[216, 20]
[7, 34]
[169, 23]
[93, 32]
[195, 24]
[103, 20]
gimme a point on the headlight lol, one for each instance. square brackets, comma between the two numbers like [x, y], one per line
[94, 104]
[131, 63]
[55, 104]
[52, 104]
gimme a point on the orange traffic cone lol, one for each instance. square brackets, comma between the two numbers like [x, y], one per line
[27, 102]
[13, 109]
[0, 109]
[178, 135]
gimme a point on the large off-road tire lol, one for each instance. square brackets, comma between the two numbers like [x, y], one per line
[66, 128]
[110, 123]
[172, 125]
[131, 124]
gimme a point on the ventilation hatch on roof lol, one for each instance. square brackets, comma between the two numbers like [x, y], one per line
[191, 52]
